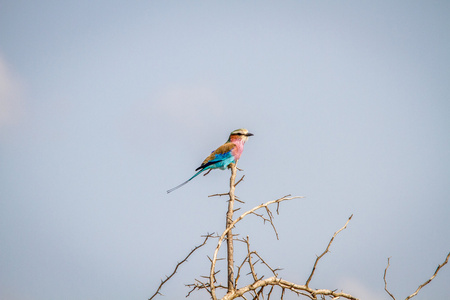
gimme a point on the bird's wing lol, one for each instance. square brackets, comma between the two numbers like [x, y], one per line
[221, 153]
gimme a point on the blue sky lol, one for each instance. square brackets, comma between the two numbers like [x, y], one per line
[106, 105]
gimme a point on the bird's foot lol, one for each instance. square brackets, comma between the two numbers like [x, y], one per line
[239, 169]
[207, 172]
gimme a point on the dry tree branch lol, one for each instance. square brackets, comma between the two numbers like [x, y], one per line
[248, 259]
[270, 220]
[239, 181]
[238, 200]
[228, 229]
[257, 288]
[326, 251]
[238, 274]
[420, 286]
[384, 278]
[274, 271]
[229, 220]
[286, 285]
[179, 264]
[198, 285]
[269, 213]
[270, 292]
[230, 248]
[215, 195]
[227, 194]
[431, 278]
[250, 264]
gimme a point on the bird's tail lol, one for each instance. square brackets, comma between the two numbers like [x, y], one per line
[178, 186]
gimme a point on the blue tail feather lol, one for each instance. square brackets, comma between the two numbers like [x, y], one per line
[178, 186]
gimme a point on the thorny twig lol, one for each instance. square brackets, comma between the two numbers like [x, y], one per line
[384, 278]
[179, 264]
[248, 259]
[215, 195]
[229, 227]
[326, 251]
[284, 284]
[270, 219]
[420, 286]
[239, 181]
[226, 194]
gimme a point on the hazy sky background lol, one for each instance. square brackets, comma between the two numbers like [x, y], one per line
[104, 105]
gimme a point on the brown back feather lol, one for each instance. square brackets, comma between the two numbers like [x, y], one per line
[222, 149]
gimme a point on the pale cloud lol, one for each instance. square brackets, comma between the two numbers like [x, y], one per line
[356, 288]
[178, 108]
[189, 105]
[11, 105]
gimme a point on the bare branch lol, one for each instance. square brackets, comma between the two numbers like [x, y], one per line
[231, 225]
[270, 219]
[179, 264]
[198, 285]
[238, 200]
[215, 195]
[229, 220]
[420, 286]
[238, 274]
[249, 255]
[286, 285]
[239, 181]
[384, 278]
[274, 271]
[429, 280]
[261, 288]
[269, 213]
[326, 251]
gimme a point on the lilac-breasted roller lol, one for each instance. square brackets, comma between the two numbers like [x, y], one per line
[228, 153]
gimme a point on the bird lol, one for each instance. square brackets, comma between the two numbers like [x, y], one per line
[222, 157]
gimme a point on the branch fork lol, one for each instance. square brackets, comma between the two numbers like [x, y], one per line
[261, 287]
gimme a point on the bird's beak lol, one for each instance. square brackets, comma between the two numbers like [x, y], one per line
[249, 134]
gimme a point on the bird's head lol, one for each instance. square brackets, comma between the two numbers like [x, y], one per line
[240, 134]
